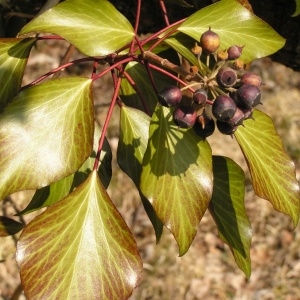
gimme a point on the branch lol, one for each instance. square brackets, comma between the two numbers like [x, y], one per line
[151, 57]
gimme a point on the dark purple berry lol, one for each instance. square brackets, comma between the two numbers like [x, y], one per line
[204, 126]
[223, 108]
[248, 95]
[238, 118]
[200, 97]
[226, 128]
[234, 52]
[209, 41]
[252, 79]
[247, 112]
[226, 77]
[184, 116]
[169, 96]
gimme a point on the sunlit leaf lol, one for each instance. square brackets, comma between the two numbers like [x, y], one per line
[236, 26]
[228, 210]
[46, 133]
[177, 176]
[297, 11]
[79, 248]
[95, 27]
[134, 132]
[13, 58]
[49, 195]
[272, 170]
[9, 226]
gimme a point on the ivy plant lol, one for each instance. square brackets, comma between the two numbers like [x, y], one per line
[80, 247]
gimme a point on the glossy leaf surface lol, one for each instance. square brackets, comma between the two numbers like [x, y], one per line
[79, 248]
[95, 27]
[46, 133]
[134, 132]
[49, 195]
[13, 59]
[177, 176]
[9, 226]
[236, 26]
[228, 210]
[272, 170]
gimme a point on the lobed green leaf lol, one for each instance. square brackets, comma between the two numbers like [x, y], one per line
[236, 26]
[95, 27]
[177, 176]
[134, 132]
[79, 248]
[46, 133]
[228, 210]
[14, 53]
[272, 170]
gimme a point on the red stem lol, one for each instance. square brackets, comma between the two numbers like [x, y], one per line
[71, 63]
[163, 71]
[105, 126]
[162, 39]
[137, 21]
[125, 60]
[134, 86]
[153, 36]
[146, 63]
[164, 10]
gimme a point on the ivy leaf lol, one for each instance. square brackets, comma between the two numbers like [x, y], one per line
[272, 171]
[13, 58]
[49, 195]
[236, 26]
[297, 11]
[177, 176]
[9, 226]
[228, 210]
[134, 132]
[95, 27]
[79, 248]
[46, 133]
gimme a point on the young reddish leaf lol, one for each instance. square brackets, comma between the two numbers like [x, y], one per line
[49, 195]
[46, 133]
[79, 248]
[236, 26]
[95, 27]
[228, 210]
[272, 170]
[9, 226]
[13, 59]
[177, 176]
[134, 132]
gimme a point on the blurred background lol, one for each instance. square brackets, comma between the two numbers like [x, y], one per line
[207, 270]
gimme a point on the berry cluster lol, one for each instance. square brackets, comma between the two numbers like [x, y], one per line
[233, 91]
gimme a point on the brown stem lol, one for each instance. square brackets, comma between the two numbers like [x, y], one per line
[151, 57]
